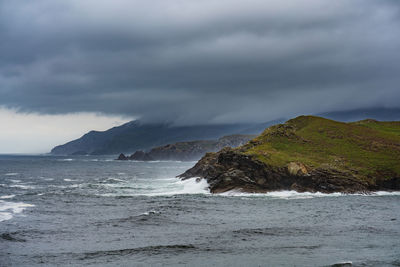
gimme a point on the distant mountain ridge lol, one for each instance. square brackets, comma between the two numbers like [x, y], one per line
[135, 135]
[188, 151]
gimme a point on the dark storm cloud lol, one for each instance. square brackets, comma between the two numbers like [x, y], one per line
[199, 61]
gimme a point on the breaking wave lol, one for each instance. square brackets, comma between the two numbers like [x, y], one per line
[305, 195]
[9, 209]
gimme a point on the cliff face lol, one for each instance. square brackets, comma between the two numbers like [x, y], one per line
[187, 151]
[309, 154]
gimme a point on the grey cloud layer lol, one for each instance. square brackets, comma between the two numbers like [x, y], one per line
[199, 61]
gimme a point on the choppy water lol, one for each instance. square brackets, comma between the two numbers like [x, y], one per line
[101, 212]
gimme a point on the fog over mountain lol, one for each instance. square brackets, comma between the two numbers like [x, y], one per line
[192, 62]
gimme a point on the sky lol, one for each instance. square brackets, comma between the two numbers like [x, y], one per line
[190, 62]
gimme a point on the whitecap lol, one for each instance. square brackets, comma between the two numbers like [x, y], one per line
[8, 209]
[70, 180]
[7, 196]
[24, 187]
[4, 216]
[280, 194]
[65, 159]
[149, 213]
[11, 174]
[182, 187]
[386, 193]
[296, 195]
[163, 187]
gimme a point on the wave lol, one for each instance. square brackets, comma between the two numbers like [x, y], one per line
[160, 249]
[151, 212]
[190, 186]
[7, 196]
[9, 209]
[70, 180]
[305, 195]
[11, 174]
[279, 194]
[21, 186]
[386, 193]
[163, 187]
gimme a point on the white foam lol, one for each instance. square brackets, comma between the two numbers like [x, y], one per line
[160, 187]
[9, 209]
[7, 196]
[65, 159]
[24, 187]
[305, 195]
[149, 212]
[183, 187]
[4, 216]
[15, 181]
[386, 193]
[280, 194]
[70, 180]
[11, 174]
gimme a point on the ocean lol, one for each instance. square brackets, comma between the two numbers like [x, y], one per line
[94, 210]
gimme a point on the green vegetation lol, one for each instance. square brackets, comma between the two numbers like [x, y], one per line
[366, 148]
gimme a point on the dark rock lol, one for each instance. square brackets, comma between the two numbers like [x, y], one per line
[122, 157]
[141, 156]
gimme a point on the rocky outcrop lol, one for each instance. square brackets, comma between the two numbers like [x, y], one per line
[276, 160]
[230, 170]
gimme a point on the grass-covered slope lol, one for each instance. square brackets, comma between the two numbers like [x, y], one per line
[366, 147]
[309, 153]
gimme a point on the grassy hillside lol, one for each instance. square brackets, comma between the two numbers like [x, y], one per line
[366, 148]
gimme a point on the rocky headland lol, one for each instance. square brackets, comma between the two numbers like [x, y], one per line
[310, 154]
[188, 151]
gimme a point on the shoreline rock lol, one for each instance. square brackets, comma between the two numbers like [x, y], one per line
[228, 170]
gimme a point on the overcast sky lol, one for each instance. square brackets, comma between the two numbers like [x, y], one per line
[195, 62]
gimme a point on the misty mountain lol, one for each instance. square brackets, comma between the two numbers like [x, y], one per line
[136, 135]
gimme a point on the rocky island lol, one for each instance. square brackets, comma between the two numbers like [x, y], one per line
[311, 154]
[188, 151]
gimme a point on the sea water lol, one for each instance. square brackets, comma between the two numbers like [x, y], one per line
[87, 210]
